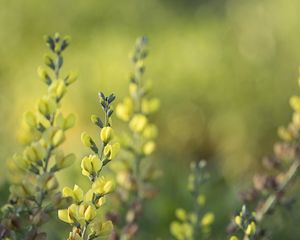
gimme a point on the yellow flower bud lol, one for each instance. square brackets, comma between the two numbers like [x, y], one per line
[86, 140]
[296, 119]
[106, 134]
[72, 77]
[111, 150]
[69, 215]
[150, 106]
[102, 186]
[52, 183]
[102, 229]
[58, 89]
[181, 214]
[43, 121]
[201, 199]
[69, 121]
[47, 105]
[150, 131]
[76, 193]
[233, 238]
[295, 103]
[58, 137]
[251, 229]
[90, 165]
[39, 150]
[138, 123]
[133, 89]
[43, 75]
[87, 211]
[64, 162]
[207, 219]
[30, 119]
[124, 110]
[285, 134]
[238, 220]
[149, 147]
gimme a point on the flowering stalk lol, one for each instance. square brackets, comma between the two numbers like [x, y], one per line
[34, 194]
[134, 173]
[84, 214]
[196, 224]
[269, 191]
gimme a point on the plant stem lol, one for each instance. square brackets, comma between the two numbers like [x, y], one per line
[272, 199]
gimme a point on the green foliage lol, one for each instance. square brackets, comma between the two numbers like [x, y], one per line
[34, 190]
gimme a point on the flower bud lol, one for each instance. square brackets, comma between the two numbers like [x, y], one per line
[238, 220]
[150, 105]
[69, 121]
[111, 150]
[295, 103]
[103, 229]
[149, 148]
[64, 162]
[76, 193]
[138, 123]
[207, 219]
[106, 134]
[90, 165]
[47, 105]
[58, 137]
[285, 134]
[102, 186]
[251, 229]
[124, 110]
[71, 78]
[86, 140]
[150, 131]
[69, 215]
[44, 75]
[30, 119]
[87, 211]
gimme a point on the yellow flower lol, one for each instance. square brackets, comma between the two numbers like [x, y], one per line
[124, 110]
[207, 219]
[86, 140]
[149, 147]
[251, 229]
[30, 119]
[295, 103]
[69, 215]
[285, 134]
[58, 89]
[150, 105]
[47, 105]
[102, 186]
[76, 193]
[150, 131]
[71, 78]
[111, 150]
[64, 162]
[90, 165]
[181, 214]
[87, 211]
[102, 229]
[138, 123]
[133, 89]
[88, 197]
[69, 121]
[238, 220]
[35, 152]
[106, 134]
[233, 238]
[58, 137]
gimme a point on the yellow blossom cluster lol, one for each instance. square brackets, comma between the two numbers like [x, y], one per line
[85, 214]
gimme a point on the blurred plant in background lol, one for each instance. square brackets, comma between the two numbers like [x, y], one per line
[195, 224]
[135, 172]
[34, 191]
[269, 191]
[85, 213]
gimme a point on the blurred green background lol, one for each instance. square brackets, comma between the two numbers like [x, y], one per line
[223, 69]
